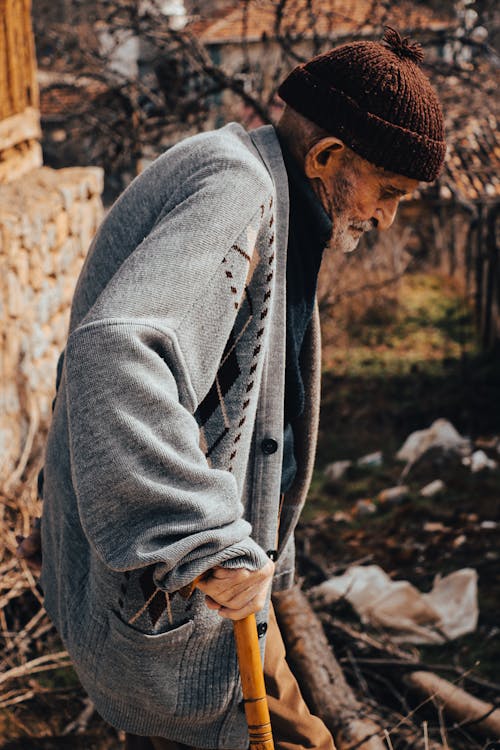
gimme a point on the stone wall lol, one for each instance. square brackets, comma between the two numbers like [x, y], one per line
[47, 220]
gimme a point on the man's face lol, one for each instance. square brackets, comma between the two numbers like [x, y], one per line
[357, 195]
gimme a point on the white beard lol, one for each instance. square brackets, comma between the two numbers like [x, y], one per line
[347, 233]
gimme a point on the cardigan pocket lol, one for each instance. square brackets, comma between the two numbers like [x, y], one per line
[143, 669]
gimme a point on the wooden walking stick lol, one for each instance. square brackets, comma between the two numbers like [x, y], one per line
[252, 684]
[252, 678]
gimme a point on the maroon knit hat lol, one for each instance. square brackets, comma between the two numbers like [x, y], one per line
[374, 97]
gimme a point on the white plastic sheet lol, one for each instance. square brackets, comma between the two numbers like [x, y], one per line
[448, 611]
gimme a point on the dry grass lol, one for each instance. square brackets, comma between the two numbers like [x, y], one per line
[383, 312]
[39, 694]
[42, 704]
[30, 647]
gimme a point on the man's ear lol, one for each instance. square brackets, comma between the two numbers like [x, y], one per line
[324, 156]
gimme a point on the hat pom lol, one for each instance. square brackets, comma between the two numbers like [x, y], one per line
[402, 47]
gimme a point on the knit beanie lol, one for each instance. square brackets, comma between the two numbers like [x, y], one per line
[377, 100]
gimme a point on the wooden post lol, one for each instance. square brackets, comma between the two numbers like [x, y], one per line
[20, 150]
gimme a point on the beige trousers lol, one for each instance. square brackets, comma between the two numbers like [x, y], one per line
[294, 727]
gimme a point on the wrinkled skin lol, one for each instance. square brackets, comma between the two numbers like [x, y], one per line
[236, 593]
[357, 195]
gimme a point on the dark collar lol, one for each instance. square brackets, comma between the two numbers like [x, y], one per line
[304, 199]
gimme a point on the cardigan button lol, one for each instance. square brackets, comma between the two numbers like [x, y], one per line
[269, 446]
[261, 629]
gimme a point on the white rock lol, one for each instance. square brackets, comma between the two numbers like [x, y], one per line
[479, 34]
[336, 470]
[488, 525]
[470, 17]
[433, 488]
[365, 507]
[341, 517]
[393, 495]
[441, 434]
[371, 459]
[459, 541]
[435, 527]
[479, 461]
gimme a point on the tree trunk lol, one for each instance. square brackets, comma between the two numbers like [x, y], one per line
[457, 703]
[320, 677]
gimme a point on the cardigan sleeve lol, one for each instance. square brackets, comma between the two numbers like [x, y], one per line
[145, 491]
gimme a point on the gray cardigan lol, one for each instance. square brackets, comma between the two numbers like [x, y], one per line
[160, 461]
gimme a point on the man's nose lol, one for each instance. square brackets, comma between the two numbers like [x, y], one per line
[386, 212]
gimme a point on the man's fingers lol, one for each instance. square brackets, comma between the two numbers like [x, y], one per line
[226, 591]
[211, 603]
[238, 594]
[255, 605]
[242, 598]
[230, 586]
[232, 579]
[233, 582]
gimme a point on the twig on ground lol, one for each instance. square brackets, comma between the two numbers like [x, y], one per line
[5, 631]
[442, 726]
[361, 680]
[20, 698]
[32, 583]
[80, 724]
[33, 423]
[369, 640]
[40, 664]
[392, 689]
[426, 736]
[25, 631]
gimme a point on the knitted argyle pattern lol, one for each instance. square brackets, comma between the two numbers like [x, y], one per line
[231, 400]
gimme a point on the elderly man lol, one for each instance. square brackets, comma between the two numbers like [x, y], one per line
[185, 423]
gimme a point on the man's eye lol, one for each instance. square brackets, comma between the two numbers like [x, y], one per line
[389, 194]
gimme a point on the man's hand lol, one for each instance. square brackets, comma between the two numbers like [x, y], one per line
[236, 592]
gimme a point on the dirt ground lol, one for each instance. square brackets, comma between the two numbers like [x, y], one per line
[418, 538]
